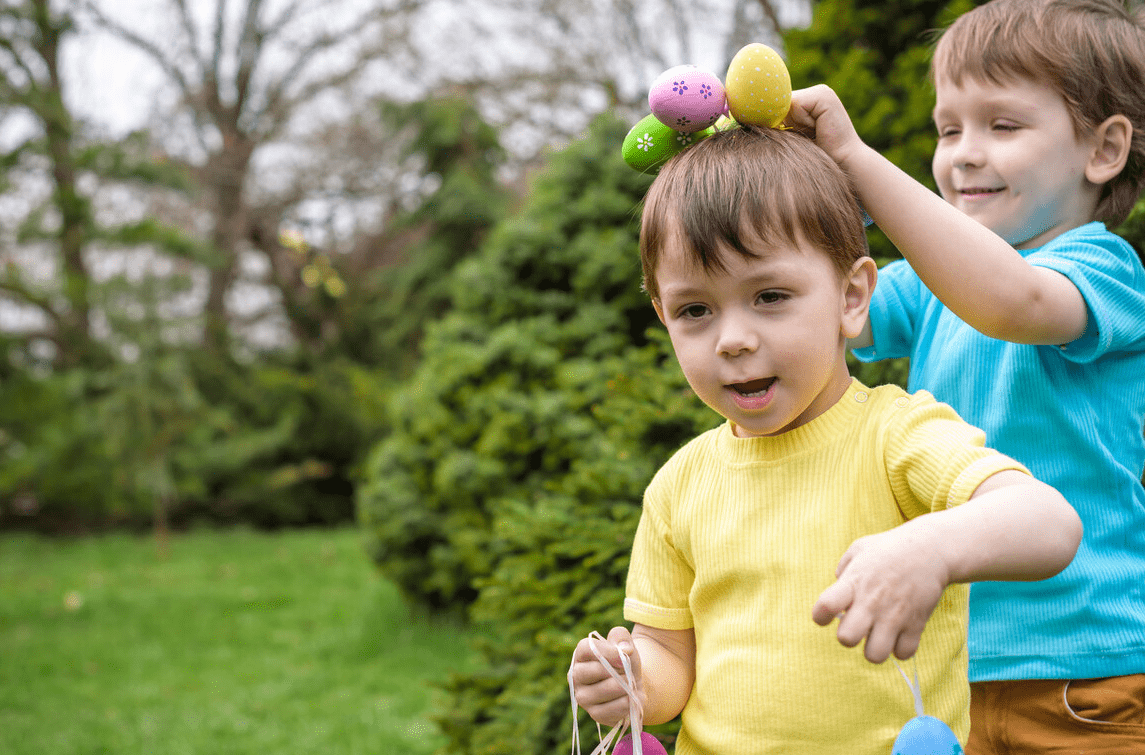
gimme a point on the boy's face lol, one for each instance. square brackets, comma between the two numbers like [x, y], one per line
[1008, 157]
[763, 343]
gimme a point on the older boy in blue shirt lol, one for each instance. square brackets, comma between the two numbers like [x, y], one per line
[1018, 308]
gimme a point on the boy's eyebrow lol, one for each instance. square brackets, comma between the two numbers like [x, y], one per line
[680, 292]
[1009, 102]
[764, 278]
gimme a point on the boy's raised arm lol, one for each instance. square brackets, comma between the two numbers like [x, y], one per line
[972, 270]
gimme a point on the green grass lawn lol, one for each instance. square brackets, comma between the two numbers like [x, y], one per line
[237, 642]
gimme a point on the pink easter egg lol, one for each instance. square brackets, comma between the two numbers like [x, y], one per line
[686, 98]
[650, 743]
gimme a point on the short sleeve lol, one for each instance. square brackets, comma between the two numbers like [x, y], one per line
[659, 578]
[895, 306]
[934, 459]
[1111, 279]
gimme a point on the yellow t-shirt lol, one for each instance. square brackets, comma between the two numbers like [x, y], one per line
[739, 536]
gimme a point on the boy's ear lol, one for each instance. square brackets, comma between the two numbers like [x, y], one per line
[659, 311]
[858, 287]
[1111, 142]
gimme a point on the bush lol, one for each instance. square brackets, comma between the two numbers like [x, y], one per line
[500, 403]
[562, 559]
[269, 445]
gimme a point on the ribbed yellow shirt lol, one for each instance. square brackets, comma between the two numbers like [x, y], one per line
[739, 536]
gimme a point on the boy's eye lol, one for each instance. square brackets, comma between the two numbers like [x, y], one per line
[770, 297]
[944, 131]
[693, 311]
[1005, 126]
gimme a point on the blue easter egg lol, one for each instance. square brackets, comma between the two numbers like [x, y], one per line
[926, 735]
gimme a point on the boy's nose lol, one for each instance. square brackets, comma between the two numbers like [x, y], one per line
[736, 338]
[967, 153]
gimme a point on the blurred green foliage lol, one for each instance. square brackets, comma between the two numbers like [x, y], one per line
[164, 432]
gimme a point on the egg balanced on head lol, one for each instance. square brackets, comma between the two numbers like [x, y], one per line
[687, 98]
[758, 86]
[689, 104]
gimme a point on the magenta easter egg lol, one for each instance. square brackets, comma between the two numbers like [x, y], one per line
[650, 744]
[686, 98]
[926, 735]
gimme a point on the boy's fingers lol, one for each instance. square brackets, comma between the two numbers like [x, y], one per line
[619, 636]
[833, 601]
[880, 643]
[907, 645]
[855, 625]
[609, 649]
[621, 639]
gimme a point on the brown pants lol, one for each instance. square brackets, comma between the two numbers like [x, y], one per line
[1056, 716]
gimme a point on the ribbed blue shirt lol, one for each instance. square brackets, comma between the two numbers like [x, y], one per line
[1074, 416]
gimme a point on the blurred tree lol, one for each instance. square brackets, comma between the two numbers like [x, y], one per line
[448, 141]
[53, 173]
[31, 34]
[255, 81]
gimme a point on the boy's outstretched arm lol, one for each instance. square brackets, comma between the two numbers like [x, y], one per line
[663, 664]
[972, 270]
[1013, 528]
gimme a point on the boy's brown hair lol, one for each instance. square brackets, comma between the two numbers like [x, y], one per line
[1092, 52]
[774, 186]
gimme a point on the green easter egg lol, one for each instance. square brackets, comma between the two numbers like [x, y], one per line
[650, 144]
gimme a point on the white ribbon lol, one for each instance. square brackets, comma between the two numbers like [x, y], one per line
[915, 687]
[635, 711]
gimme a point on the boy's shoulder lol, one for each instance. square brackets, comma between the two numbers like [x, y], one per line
[1090, 241]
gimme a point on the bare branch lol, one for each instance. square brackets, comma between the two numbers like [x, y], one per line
[161, 58]
[249, 49]
[217, 43]
[188, 24]
[279, 106]
[275, 27]
[27, 296]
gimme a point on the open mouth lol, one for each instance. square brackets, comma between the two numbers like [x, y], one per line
[753, 388]
[976, 191]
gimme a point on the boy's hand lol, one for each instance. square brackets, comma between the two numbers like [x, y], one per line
[597, 691]
[818, 112]
[888, 586]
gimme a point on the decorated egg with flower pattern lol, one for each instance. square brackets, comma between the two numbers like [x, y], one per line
[758, 86]
[649, 144]
[687, 98]
[926, 735]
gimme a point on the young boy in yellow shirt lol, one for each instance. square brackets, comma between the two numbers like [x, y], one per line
[818, 498]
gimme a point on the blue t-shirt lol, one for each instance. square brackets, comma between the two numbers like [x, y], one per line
[1074, 416]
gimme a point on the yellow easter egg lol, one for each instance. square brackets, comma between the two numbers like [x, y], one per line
[758, 86]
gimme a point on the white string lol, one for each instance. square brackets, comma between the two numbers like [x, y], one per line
[915, 687]
[635, 711]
